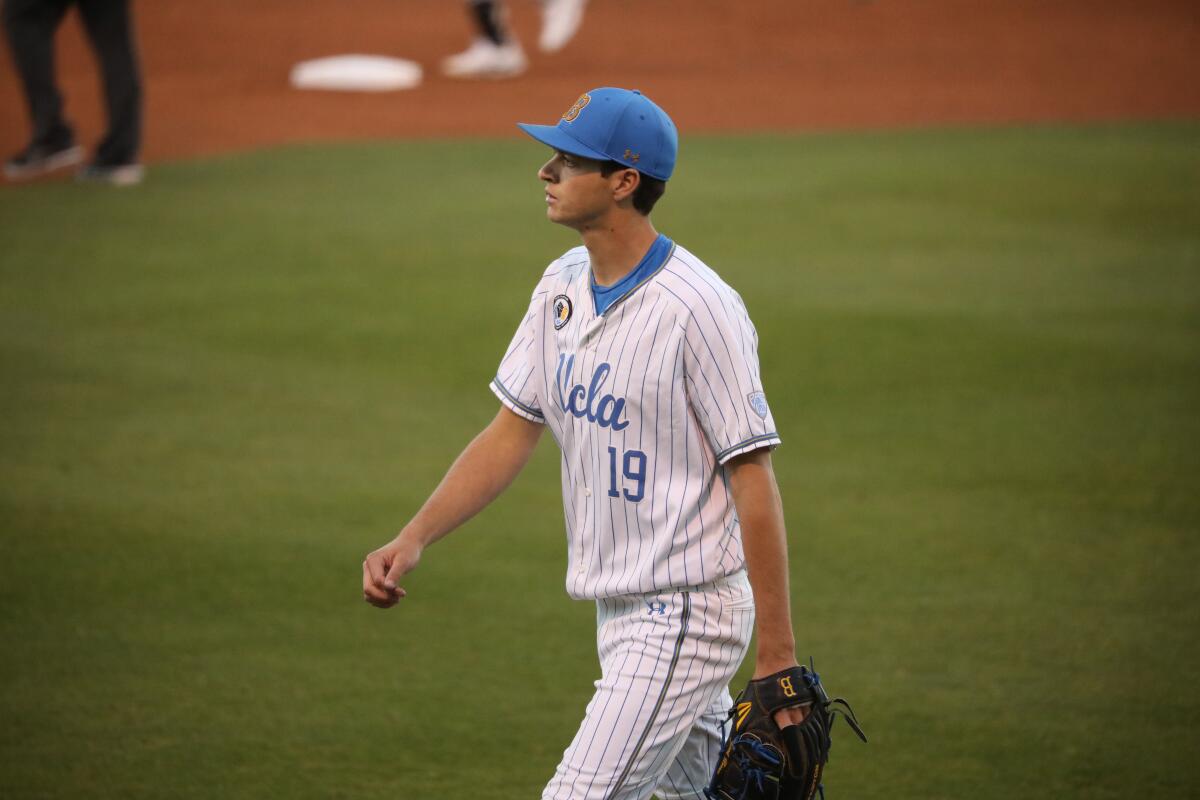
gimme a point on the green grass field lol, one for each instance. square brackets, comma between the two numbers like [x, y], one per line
[223, 388]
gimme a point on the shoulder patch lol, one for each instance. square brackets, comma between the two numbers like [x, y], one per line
[562, 311]
[758, 402]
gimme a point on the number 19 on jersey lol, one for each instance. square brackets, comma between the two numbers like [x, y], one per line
[633, 468]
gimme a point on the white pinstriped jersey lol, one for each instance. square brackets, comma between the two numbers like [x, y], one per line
[646, 401]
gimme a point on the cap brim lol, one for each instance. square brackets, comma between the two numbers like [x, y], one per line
[553, 136]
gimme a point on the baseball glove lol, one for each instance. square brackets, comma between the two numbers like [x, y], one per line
[760, 761]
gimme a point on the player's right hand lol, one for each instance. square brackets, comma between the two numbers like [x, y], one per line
[382, 569]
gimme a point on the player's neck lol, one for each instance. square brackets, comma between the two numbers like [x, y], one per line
[616, 247]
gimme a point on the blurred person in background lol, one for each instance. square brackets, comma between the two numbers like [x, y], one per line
[30, 26]
[496, 53]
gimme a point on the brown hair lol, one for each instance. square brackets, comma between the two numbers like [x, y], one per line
[649, 189]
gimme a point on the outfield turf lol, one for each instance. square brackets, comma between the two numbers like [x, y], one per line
[222, 388]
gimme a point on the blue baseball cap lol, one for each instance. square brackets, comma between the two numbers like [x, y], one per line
[619, 125]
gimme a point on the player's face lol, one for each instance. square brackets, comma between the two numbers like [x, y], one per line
[577, 195]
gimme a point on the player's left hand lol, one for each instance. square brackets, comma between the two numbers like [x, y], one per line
[791, 716]
[765, 666]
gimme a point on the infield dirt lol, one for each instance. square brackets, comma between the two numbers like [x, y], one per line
[216, 73]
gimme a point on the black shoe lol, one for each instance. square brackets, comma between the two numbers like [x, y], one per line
[112, 174]
[38, 160]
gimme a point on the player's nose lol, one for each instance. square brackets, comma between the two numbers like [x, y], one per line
[546, 172]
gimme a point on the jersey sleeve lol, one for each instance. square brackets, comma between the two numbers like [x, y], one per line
[720, 355]
[516, 379]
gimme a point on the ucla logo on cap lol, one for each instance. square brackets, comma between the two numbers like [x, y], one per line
[758, 402]
[574, 110]
[562, 311]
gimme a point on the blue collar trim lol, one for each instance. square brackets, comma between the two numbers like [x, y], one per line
[654, 260]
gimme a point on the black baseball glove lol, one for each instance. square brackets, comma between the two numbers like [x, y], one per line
[760, 761]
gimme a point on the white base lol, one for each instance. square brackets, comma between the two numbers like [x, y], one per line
[357, 73]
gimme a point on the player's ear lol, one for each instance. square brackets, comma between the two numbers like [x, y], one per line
[627, 182]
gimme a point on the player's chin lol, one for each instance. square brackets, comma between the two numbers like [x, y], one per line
[555, 215]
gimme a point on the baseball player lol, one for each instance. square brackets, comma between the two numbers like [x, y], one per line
[643, 364]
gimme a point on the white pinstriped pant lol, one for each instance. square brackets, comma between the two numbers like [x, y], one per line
[653, 725]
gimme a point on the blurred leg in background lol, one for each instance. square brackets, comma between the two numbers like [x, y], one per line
[30, 26]
[496, 53]
[110, 30]
[560, 21]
